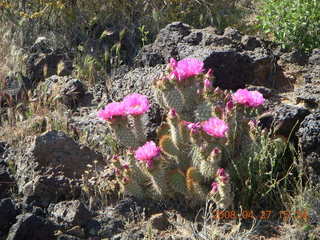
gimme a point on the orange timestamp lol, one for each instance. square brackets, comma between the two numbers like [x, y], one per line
[262, 215]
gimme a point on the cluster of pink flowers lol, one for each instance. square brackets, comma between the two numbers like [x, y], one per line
[215, 127]
[147, 153]
[248, 98]
[133, 104]
[185, 68]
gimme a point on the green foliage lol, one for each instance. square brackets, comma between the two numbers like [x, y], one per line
[293, 23]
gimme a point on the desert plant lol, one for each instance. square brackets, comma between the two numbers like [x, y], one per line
[206, 132]
[293, 23]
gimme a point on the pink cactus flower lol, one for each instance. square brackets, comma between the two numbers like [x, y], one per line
[215, 127]
[147, 152]
[241, 96]
[112, 110]
[136, 104]
[193, 127]
[256, 99]
[248, 98]
[186, 68]
[223, 176]
[214, 187]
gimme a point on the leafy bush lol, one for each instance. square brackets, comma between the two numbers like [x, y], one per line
[293, 23]
[208, 142]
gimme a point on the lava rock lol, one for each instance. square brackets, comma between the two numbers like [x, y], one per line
[69, 213]
[295, 57]
[8, 213]
[287, 119]
[50, 166]
[70, 90]
[159, 221]
[234, 63]
[250, 42]
[29, 226]
[309, 140]
[6, 180]
[314, 59]
[44, 62]
[104, 226]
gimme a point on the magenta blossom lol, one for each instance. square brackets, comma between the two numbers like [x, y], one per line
[215, 127]
[248, 98]
[214, 187]
[256, 99]
[193, 127]
[147, 152]
[112, 110]
[136, 104]
[186, 68]
[223, 176]
[241, 96]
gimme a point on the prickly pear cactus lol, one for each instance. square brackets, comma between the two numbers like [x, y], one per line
[204, 129]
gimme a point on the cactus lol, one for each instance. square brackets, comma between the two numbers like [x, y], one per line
[190, 154]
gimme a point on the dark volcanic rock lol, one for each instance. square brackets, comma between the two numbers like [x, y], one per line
[287, 119]
[49, 166]
[8, 214]
[44, 62]
[105, 226]
[295, 57]
[69, 213]
[6, 180]
[309, 93]
[236, 60]
[69, 90]
[309, 140]
[30, 227]
[314, 59]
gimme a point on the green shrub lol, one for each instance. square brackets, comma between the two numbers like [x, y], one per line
[293, 23]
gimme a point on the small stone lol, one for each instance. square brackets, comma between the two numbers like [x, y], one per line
[159, 221]
[69, 213]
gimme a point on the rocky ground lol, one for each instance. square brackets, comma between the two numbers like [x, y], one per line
[49, 161]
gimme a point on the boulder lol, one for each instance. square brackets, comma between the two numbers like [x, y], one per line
[8, 214]
[44, 61]
[309, 141]
[69, 91]
[69, 213]
[29, 226]
[236, 59]
[6, 180]
[50, 165]
[309, 92]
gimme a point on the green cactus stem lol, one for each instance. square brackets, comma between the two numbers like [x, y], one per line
[173, 99]
[177, 181]
[139, 128]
